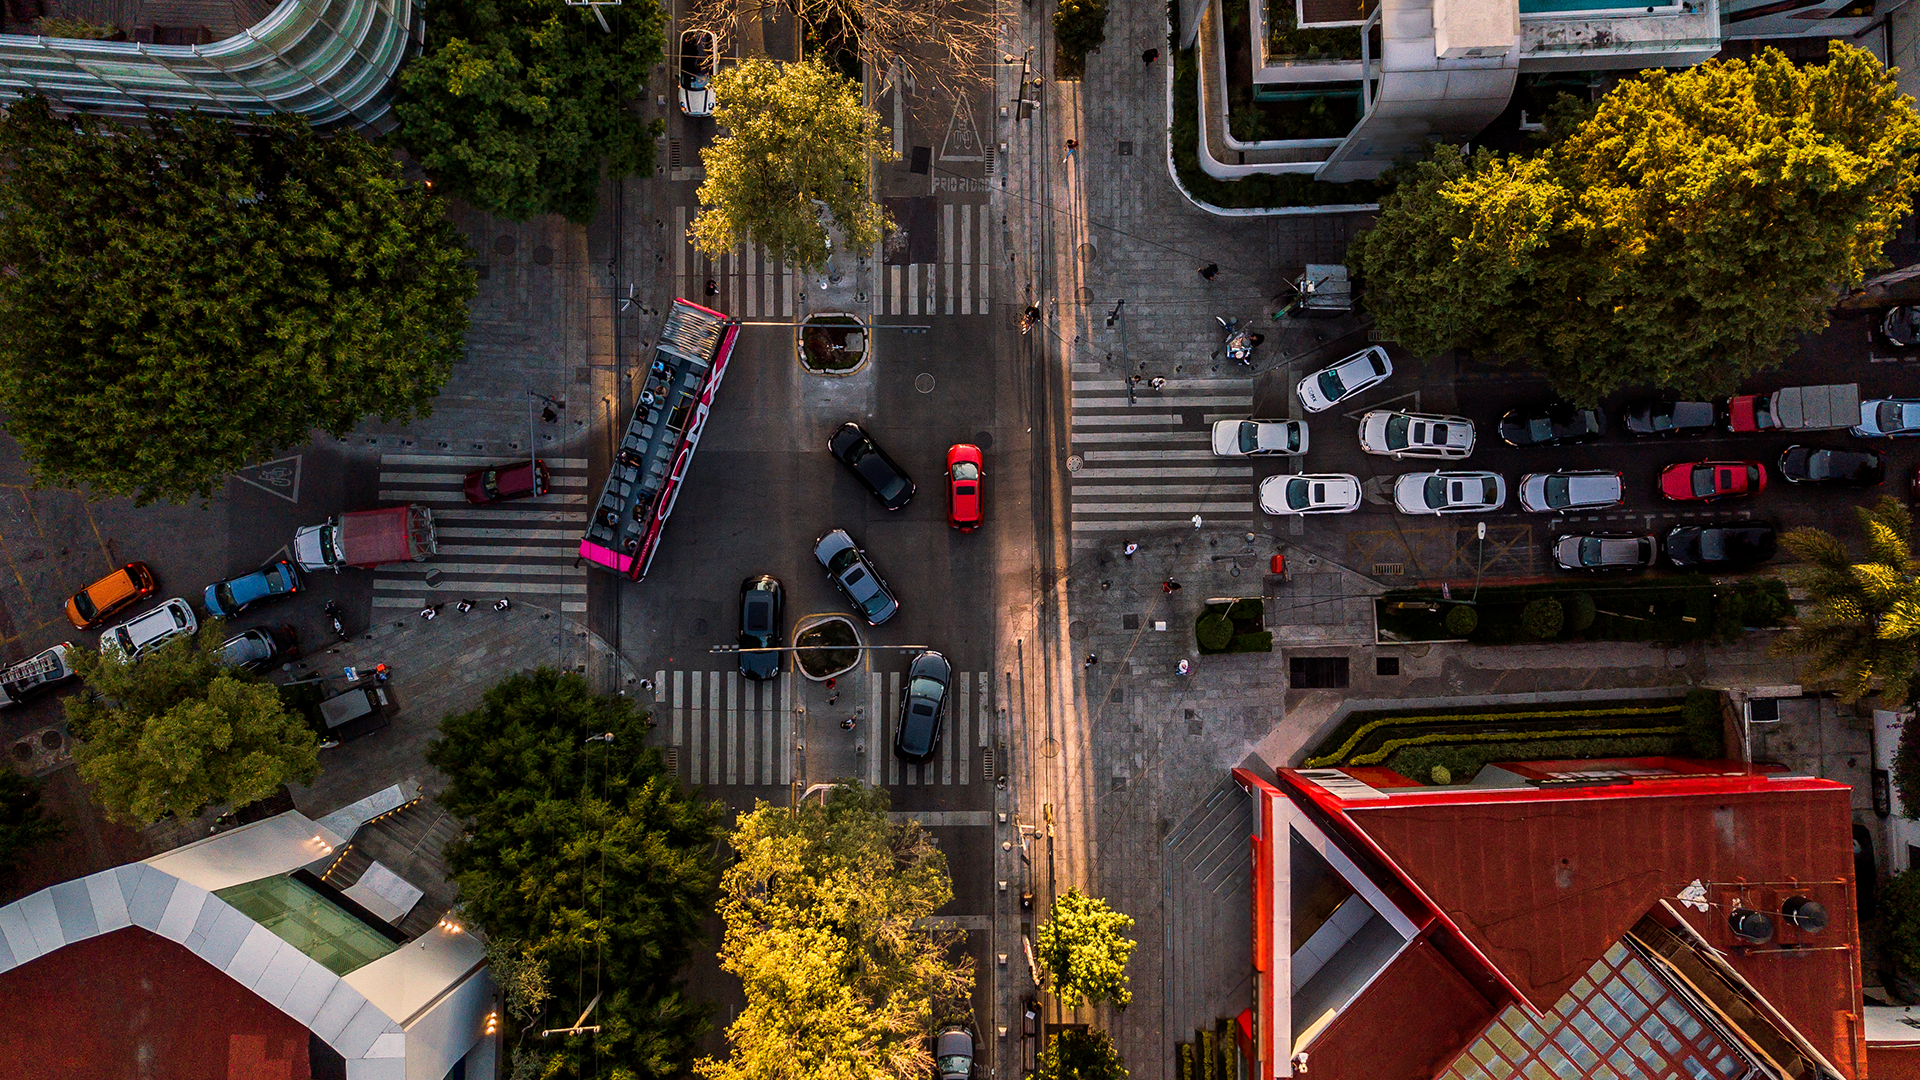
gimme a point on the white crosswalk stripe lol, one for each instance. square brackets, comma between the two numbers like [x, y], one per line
[1151, 464]
[753, 284]
[527, 549]
[729, 730]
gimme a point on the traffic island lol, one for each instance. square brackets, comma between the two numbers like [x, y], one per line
[833, 343]
[826, 648]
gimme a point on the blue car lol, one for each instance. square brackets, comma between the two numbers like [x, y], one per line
[230, 598]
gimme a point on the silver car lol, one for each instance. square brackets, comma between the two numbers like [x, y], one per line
[855, 576]
[1571, 489]
[1244, 438]
[144, 632]
[1602, 552]
[1329, 386]
[1888, 416]
[1310, 493]
[1404, 434]
[1449, 492]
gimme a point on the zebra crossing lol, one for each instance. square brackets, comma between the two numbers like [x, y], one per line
[754, 284]
[525, 549]
[723, 729]
[1151, 464]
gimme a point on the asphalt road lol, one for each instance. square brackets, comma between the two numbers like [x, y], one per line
[1400, 548]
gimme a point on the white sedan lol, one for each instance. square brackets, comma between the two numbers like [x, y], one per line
[1240, 438]
[1888, 416]
[1449, 492]
[1406, 434]
[1329, 386]
[1310, 493]
[1571, 489]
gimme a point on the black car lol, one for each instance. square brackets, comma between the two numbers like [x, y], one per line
[1602, 552]
[1670, 417]
[761, 602]
[857, 451]
[1900, 327]
[1822, 464]
[922, 701]
[1740, 543]
[1556, 424]
[855, 576]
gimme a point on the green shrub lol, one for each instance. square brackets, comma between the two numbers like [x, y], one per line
[1543, 618]
[1467, 761]
[1900, 921]
[1392, 746]
[1702, 734]
[1580, 611]
[1213, 631]
[1462, 619]
[55, 26]
[1079, 27]
[1359, 734]
[1440, 775]
[1259, 641]
[1906, 769]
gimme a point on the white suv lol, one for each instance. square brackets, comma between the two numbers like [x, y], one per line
[140, 634]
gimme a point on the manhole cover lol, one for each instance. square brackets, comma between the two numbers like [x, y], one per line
[923, 383]
[1085, 293]
[1124, 148]
[50, 740]
[23, 751]
[433, 579]
[1088, 252]
[699, 626]
[503, 246]
[983, 440]
[1076, 629]
[1049, 749]
[542, 255]
[1074, 463]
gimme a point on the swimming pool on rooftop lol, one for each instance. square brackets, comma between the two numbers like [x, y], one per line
[1609, 8]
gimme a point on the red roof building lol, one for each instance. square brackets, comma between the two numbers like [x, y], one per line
[1636, 918]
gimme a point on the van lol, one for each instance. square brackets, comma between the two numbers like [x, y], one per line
[146, 631]
[99, 601]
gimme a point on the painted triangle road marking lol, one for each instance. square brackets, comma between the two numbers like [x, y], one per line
[281, 477]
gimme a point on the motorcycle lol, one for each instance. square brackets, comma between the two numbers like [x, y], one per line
[333, 617]
[1240, 340]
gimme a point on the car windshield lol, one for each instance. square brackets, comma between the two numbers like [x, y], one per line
[1662, 417]
[223, 592]
[1488, 489]
[1820, 465]
[875, 603]
[1889, 415]
[83, 604]
[1558, 491]
[1713, 544]
[1702, 479]
[965, 470]
[1397, 425]
[842, 559]
[1540, 428]
[1299, 494]
[930, 689]
[1249, 436]
[490, 482]
[1435, 492]
[1331, 387]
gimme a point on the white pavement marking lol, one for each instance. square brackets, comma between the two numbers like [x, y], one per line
[449, 460]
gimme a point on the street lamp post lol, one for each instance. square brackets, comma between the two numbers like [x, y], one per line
[1479, 560]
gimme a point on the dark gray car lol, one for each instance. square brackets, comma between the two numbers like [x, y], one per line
[953, 1053]
[858, 452]
[923, 701]
[856, 577]
[761, 603]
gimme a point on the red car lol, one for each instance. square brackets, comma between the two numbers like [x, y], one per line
[1705, 481]
[515, 480]
[966, 473]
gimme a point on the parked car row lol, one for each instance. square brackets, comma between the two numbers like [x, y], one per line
[100, 601]
[1726, 546]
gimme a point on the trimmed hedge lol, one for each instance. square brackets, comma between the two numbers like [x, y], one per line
[1352, 742]
[1457, 738]
[1703, 735]
[1465, 762]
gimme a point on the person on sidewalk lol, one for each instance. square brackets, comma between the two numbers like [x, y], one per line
[1150, 56]
[1130, 549]
[1158, 382]
[1198, 521]
[429, 612]
[1185, 668]
[464, 606]
[848, 723]
[1170, 586]
[1208, 271]
[502, 604]
[1092, 659]
[713, 287]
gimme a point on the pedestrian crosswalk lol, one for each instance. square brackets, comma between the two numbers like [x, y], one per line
[527, 549]
[725, 730]
[753, 284]
[1151, 464]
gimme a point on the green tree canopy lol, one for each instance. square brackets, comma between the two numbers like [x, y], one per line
[187, 297]
[1084, 949]
[1681, 234]
[796, 136]
[23, 821]
[1861, 622]
[518, 106]
[178, 731]
[825, 915]
[1080, 1055]
[588, 867]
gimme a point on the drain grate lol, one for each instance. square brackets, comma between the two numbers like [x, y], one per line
[673, 153]
[1125, 149]
[672, 754]
[986, 763]
[992, 154]
[1389, 569]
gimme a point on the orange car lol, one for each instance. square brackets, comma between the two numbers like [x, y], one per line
[99, 601]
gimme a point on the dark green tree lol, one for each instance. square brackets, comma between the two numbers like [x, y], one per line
[520, 106]
[187, 297]
[23, 821]
[1860, 625]
[178, 731]
[1681, 234]
[1080, 1055]
[585, 861]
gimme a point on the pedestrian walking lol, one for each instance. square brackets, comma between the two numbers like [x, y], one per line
[1150, 56]
[1092, 659]
[502, 604]
[849, 722]
[1209, 270]
[1185, 668]
[1197, 520]
[429, 612]
[1158, 382]
[464, 606]
[713, 287]
[1105, 585]
[1131, 548]
[831, 683]
[833, 697]
[1170, 586]
[1072, 145]
[1134, 380]
[646, 686]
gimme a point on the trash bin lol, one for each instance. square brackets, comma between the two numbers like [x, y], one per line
[1279, 563]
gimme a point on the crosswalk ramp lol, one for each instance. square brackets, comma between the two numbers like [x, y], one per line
[525, 549]
[725, 730]
[1151, 464]
[754, 284]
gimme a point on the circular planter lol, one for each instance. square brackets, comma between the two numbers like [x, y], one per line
[828, 647]
[833, 343]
